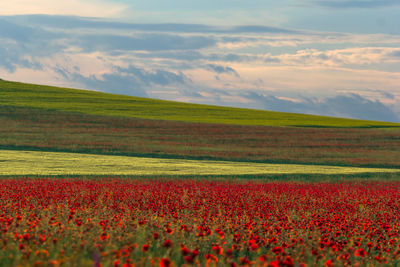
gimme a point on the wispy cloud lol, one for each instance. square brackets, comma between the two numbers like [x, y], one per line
[73, 22]
[221, 69]
[141, 42]
[363, 56]
[129, 81]
[356, 3]
[352, 105]
[94, 8]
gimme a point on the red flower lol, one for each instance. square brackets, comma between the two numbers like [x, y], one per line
[229, 252]
[189, 258]
[245, 260]
[217, 249]
[167, 243]
[145, 247]
[165, 262]
[288, 262]
[104, 236]
[360, 252]
[254, 246]
[211, 257]
[26, 236]
[185, 251]
[277, 250]
[42, 238]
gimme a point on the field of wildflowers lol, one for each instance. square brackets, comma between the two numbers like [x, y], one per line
[229, 219]
[161, 222]
[49, 130]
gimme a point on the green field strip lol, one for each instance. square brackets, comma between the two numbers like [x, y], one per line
[91, 102]
[57, 163]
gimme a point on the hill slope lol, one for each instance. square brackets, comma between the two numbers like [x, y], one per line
[90, 102]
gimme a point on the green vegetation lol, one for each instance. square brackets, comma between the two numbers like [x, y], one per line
[44, 118]
[48, 130]
[56, 163]
[89, 102]
[234, 178]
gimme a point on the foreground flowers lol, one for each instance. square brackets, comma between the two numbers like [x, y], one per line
[116, 222]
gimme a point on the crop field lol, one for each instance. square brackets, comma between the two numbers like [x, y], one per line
[94, 179]
[114, 222]
[28, 128]
[57, 163]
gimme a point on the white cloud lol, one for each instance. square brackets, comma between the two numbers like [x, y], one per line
[356, 3]
[46, 77]
[361, 56]
[88, 8]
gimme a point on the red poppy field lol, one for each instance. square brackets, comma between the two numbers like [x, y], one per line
[171, 222]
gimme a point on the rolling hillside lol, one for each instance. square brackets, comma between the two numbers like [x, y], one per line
[90, 102]
[46, 118]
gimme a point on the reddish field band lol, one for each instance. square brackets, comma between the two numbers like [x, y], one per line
[120, 221]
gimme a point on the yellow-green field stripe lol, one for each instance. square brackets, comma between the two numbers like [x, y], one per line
[57, 163]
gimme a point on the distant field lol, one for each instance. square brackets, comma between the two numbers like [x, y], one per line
[56, 163]
[34, 117]
[89, 102]
[40, 129]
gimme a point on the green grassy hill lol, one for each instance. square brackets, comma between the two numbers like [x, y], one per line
[90, 102]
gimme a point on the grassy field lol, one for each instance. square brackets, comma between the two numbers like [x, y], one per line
[56, 163]
[44, 118]
[49, 130]
[89, 102]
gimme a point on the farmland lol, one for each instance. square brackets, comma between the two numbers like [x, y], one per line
[56, 163]
[54, 130]
[93, 179]
[116, 222]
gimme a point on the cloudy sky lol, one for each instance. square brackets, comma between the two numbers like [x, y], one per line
[329, 57]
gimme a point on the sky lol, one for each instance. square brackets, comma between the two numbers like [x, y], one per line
[327, 57]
